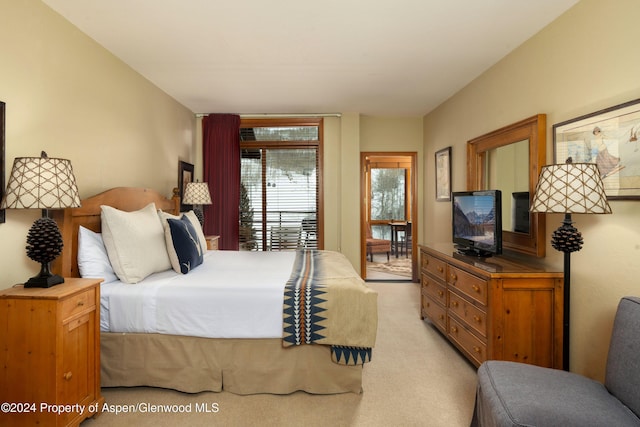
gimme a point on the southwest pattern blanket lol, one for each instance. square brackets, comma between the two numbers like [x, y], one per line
[326, 302]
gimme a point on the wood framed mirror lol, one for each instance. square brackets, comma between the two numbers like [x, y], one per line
[510, 159]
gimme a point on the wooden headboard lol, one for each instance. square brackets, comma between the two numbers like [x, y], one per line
[88, 215]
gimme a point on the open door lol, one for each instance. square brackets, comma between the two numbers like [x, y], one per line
[388, 216]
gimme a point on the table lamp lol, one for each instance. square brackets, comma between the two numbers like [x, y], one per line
[197, 194]
[42, 183]
[569, 188]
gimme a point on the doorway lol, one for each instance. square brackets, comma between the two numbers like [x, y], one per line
[388, 216]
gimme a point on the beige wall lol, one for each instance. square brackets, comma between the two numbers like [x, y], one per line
[582, 62]
[331, 177]
[344, 139]
[68, 96]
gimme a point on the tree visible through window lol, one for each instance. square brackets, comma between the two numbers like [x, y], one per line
[280, 181]
[388, 194]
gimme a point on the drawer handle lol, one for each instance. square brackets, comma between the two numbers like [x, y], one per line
[442, 317]
[440, 269]
[428, 304]
[454, 329]
[67, 376]
[80, 303]
[476, 349]
[440, 293]
[476, 288]
[477, 319]
[454, 303]
[453, 277]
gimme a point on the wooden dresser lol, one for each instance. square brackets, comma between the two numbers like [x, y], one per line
[50, 353]
[493, 308]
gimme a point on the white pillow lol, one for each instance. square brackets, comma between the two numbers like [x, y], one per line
[93, 260]
[194, 221]
[135, 242]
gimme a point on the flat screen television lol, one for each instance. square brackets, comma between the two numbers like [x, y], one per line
[477, 222]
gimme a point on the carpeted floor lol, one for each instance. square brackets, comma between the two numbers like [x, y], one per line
[416, 378]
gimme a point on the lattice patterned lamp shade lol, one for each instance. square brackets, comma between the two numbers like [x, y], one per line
[197, 194]
[570, 188]
[42, 183]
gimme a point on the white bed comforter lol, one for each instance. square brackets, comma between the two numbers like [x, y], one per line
[231, 295]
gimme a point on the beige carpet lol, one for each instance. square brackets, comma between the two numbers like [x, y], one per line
[415, 379]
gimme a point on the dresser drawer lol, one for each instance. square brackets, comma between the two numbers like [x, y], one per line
[475, 348]
[79, 303]
[433, 289]
[472, 286]
[468, 313]
[434, 266]
[435, 312]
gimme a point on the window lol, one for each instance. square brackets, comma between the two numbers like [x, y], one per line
[389, 189]
[280, 206]
[388, 194]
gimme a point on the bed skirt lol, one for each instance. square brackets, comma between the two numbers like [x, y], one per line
[240, 366]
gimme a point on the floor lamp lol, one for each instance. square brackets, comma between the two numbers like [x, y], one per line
[569, 188]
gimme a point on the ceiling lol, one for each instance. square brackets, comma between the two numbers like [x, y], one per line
[373, 57]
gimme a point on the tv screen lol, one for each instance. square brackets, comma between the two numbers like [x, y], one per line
[477, 222]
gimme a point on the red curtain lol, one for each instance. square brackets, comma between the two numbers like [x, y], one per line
[221, 170]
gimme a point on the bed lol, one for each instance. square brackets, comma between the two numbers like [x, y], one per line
[264, 356]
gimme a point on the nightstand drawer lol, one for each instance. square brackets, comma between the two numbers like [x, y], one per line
[85, 301]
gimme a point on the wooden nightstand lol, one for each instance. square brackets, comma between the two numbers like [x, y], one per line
[50, 352]
[212, 242]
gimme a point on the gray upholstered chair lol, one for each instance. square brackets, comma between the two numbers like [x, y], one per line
[515, 394]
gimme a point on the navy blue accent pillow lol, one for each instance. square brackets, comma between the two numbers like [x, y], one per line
[185, 243]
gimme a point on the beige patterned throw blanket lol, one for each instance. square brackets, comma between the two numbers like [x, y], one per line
[326, 302]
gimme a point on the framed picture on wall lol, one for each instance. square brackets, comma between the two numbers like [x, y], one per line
[443, 175]
[608, 138]
[185, 175]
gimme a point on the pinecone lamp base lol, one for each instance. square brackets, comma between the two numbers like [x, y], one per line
[44, 244]
[44, 281]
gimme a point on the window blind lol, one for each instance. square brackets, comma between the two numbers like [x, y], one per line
[279, 188]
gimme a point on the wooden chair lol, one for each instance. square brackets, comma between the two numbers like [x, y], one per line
[376, 246]
[407, 243]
